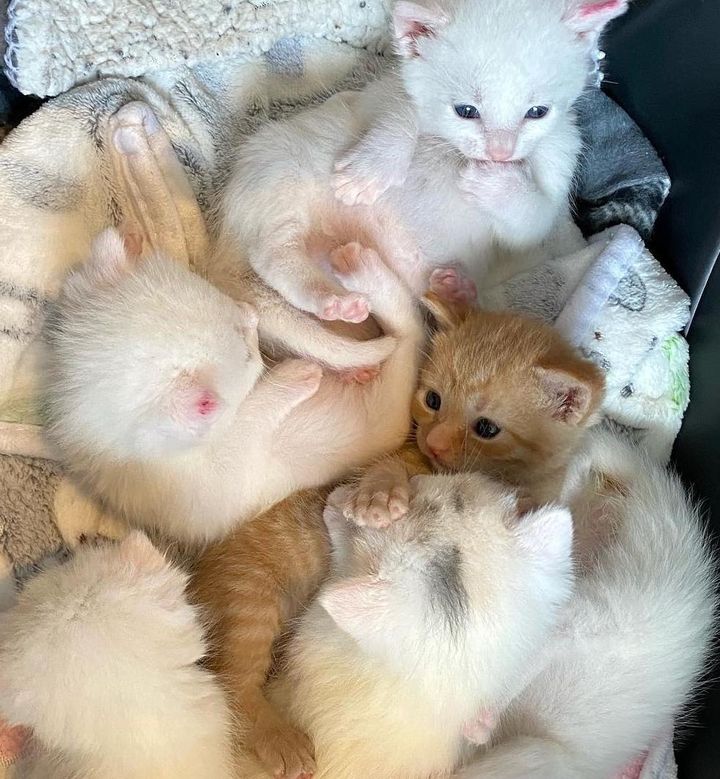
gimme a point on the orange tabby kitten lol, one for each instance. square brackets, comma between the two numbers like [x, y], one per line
[498, 392]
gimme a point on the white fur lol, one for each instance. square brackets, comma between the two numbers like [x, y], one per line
[636, 636]
[132, 351]
[100, 657]
[384, 673]
[424, 168]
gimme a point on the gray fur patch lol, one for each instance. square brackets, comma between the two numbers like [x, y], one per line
[37, 189]
[448, 595]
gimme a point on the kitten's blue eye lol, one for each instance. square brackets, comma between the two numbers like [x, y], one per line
[433, 401]
[485, 428]
[465, 111]
[537, 112]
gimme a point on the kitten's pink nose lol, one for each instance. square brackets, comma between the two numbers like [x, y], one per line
[500, 145]
[438, 445]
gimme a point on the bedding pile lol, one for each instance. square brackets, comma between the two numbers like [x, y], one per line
[211, 73]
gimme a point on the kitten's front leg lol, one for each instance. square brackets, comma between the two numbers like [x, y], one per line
[522, 211]
[381, 160]
[281, 390]
[382, 493]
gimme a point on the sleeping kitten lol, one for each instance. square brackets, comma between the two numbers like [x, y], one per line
[100, 657]
[158, 404]
[635, 636]
[424, 629]
[471, 146]
[519, 372]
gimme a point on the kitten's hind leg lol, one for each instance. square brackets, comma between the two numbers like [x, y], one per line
[289, 270]
[391, 301]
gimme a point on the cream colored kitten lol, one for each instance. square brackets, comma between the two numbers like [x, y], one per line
[100, 656]
[158, 403]
[423, 629]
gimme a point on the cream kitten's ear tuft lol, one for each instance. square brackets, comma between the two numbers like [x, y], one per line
[413, 22]
[568, 398]
[109, 258]
[447, 315]
[358, 606]
[588, 17]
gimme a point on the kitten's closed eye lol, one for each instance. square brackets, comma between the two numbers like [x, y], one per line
[466, 111]
[485, 428]
[537, 112]
[433, 401]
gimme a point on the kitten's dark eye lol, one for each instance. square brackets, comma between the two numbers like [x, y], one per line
[537, 112]
[465, 111]
[433, 401]
[484, 428]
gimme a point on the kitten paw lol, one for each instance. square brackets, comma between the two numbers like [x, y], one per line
[355, 190]
[358, 180]
[382, 497]
[283, 750]
[452, 285]
[348, 308]
[363, 375]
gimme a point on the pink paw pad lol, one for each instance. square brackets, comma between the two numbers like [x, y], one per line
[349, 308]
[452, 285]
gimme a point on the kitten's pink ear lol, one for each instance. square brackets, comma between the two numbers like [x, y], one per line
[358, 606]
[588, 17]
[413, 22]
[547, 533]
[568, 398]
[109, 258]
[447, 315]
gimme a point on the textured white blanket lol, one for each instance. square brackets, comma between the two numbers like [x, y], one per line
[53, 45]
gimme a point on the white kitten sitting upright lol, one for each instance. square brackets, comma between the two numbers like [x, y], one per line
[100, 657]
[471, 147]
[635, 636]
[158, 405]
[424, 629]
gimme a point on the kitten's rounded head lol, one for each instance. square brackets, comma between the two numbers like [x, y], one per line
[503, 394]
[102, 629]
[144, 357]
[464, 585]
[492, 77]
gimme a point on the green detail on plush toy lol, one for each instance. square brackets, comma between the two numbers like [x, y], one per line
[672, 349]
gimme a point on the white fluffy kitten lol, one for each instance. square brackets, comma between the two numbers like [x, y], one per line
[471, 146]
[423, 629]
[158, 404]
[635, 636]
[100, 657]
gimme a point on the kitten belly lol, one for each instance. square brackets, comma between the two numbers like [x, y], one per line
[448, 229]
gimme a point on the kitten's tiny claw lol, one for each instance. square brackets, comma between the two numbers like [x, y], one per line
[453, 285]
